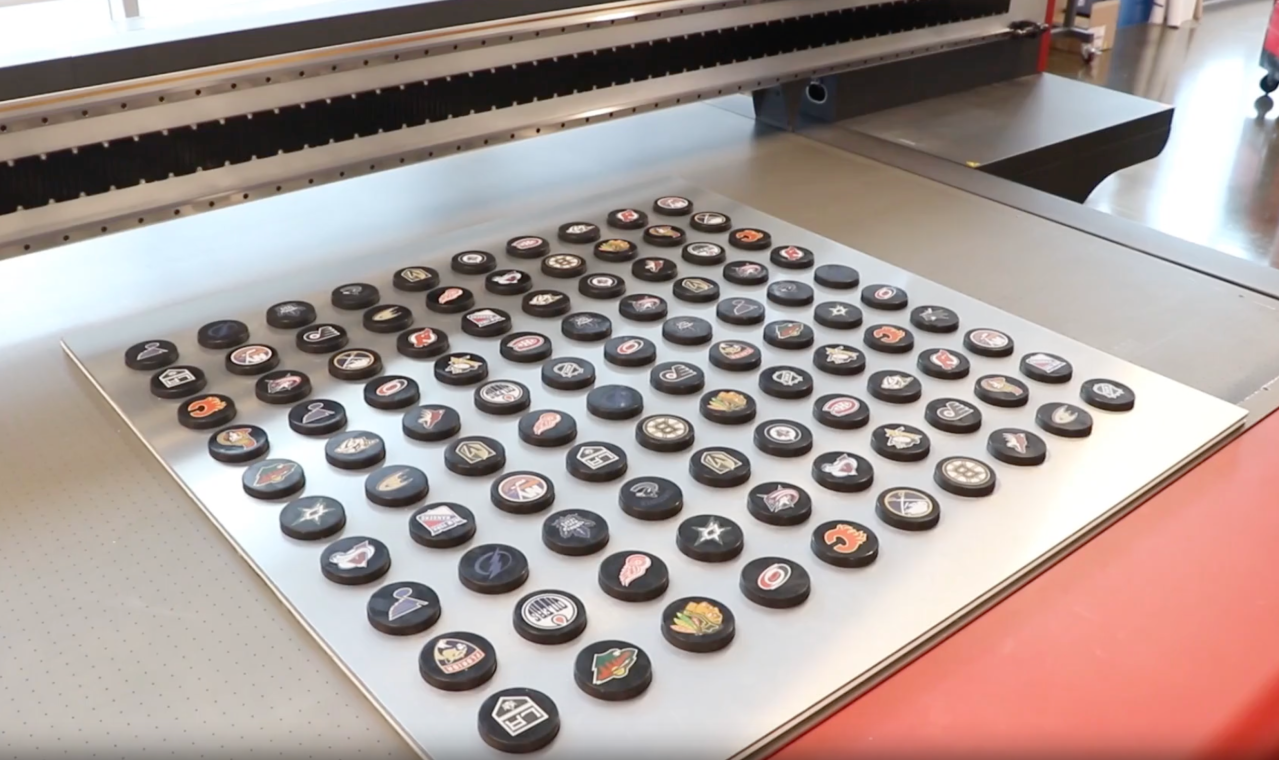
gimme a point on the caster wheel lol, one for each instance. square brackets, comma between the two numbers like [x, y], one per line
[1269, 84]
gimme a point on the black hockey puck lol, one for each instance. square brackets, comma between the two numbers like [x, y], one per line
[501, 397]
[391, 392]
[354, 450]
[664, 432]
[710, 538]
[665, 235]
[442, 525]
[450, 300]
[614, 402]
[698, 624]
[486, 322]
[527, 247]
[564, 266]
[239, 444]
[522, 493]
[475, 456]
[355, 560]
[943, 364]
[568, 374]
[750, 239]
[575, 532]
[586, 326]
[900, 443]
[508, 282]
[150, 354]
[224, 333]
[908, 509]
[1017, 446]
[837, 315]
[642, 307]
[841, 411]
[549, 617]
[397, 485]
[206, 412]
[719, 467]
[629, 351]
[844, 543]
[1065, 420]
[283, 386]
[839, 359]
[790, 293]
[355, 364]
[745, 273]
[634, 576]
[894, 387]
[422, 343]
[735, 356]
[290, 314]
[843, 471]
[650, 498]
[321, 339]
[601, 286]
[578, 232]
[548, 428]
[615, 250]
[677, 378]
[613, 670]
[387, 318]
[627, 219]
[786, 382]
[415, 279]
[178, 382]
[461, 369]
[526, 347]
[354, 296]
[312, 518]
[964, 476]
[403, 609]
[837, 276]
[431, 422]
[673, 205]
[596, 461]
[783, 438]
[654, 269]
[518, 721]
[1001, 390]
[704, 254]
[1046, 368]
[775, 583]
[952, 415]
[492, 569]
[934, 319]
[740, 311]
[695, 289]
[987, 342]
[546, 303]
[457, 661]
[793, 257]
[884, 297]
[727, 407]
[782, 504]
[711, 221]
[317, 417]
[273, 479]
[1108, 395]
[687, 331]
[889, 339]
[788, 334]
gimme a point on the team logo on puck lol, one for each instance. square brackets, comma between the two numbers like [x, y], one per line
[150, 351]
[735, 351]
[901, 438]
[501, 393]
[240, 437]
[748, 270]
[172, 378]
[461, 364]
[1064, 415]
[440, 519]
[743, 307]
[393, 481]
[665, 428]
[392, 387]
[645, 490]
[628, 215]
[677, 372]
[525, 244]
[889, 334]
[603, 281]
[201, 408]
[1016, 441]
[704, 250]
[545, 299]
[713, 530]
[414, 274]
[788, 377]
[455, 655]
[895, 382]
[787, 330]
[661, 230]
[549, 612]
[423, 338]
[471, 258]
[626, 348]
[696, 285]
[506, 278]
[726, 401]
[844, 538]
[673, 203]
[710, 218]
[321, 333]
[614, 246]
[931, 315]
[840, 355]
[545, 422]
[719, 462]
[312, 513]
[474, 452]
[612, 664]
[387, 314]
[884, 293]
[647, 303]
[316, 412]
[698, 619]
[563, 261]
[992, 339]
[842, 466]
[582, 320]
[283, 383]
[782, 433]
[908, 503]
[1109, 390]
[684, 325]
[841, 406]
[837, 310]
[953, 411]
[748, 236]
[355, 444]
[1045, 362]
[791, 253]
[492, 563]
[596, 457]
[250, 356]
[450, 294]
[780, 498]
[522, 488]
[998, 384]
[526, 343]
[568, 369]
[634, 568]
[484, 318]
[944, 359]
[353, 360]
[404, 604]
[288, 309]
[969, 472]
[429, 417]
[570, 525]
[518, 714]
[356, 557]
[773, 577]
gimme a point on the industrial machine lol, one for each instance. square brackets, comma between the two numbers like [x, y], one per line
[855, 223]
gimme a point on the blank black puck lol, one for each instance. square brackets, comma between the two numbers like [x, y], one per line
[889, 339]
[397, 485]
[728, 407]
[952, 415]
[150, 354]
[317, 417]
[719, 467]
[450, 300]
[492, 569]
[984, 341]
[710, 538]
[290, 314]
[750, 239]
[665, 235]
[642, 307]
[735, 355]
[629, 351]
[522, 493]
[501, 397]
[687, 331]
[788, 334]
[698, 624]
[596, 462]
[745, 273]
[224, 333]
[836, 276]
[615, 250]
[422, 343]
[518, 721]
[239, 444]
[526, 347]
[1108, 395]
[403, 609]
[575, 532]
[900, 443]
[486, 322]
[964, 476]
[355, 364]
[546, 303]
[1001, 390]
[677, 378]
[839, 359]
[844, 543]
[442, 525]
[391, 392]
[650, 498]
[1065, 420]
[354, 450]
[673, 205]
[837, 315]
[841, 411]
[775, 583]
[614, 402]
[387, 318]
[586, 326]
[461, 369]
[547, 428]
[475, 456]
[664, 432]
[704, 254]
[178, 382]
[355, 560]
[843, 471]
[613, 670]
[777, 503]
[508, 282]
[527, 247]
[790, 293]
[908, 509]
[312, 518]
[568, 374]
[943, 364]
[415, 279]
[1017, 446]
[627, 219]
[934, 319]
[894, 387]
[601, 286]
[792, 257]
[283, 386]
[579, 232]
[253, 359]
[549, 617]
[206, 412]
[1046, 368]
[783, 438]
[633, 576]
[786, 382]
[457, 661]
[354, 296]
[431, 422]
[740, 311]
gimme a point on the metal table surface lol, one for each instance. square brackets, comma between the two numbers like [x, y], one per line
[132, 624]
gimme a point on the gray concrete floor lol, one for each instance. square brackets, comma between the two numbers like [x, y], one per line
[1216, 181]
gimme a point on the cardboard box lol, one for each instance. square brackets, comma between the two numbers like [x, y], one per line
[1102, 19]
